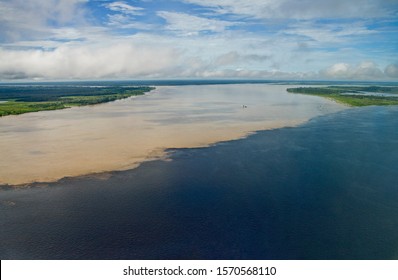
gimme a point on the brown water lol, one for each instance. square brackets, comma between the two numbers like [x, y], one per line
[47, 146]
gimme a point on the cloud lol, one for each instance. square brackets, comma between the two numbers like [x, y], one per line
[123, 16]
[392, 71]
[305, 9]
[233, 57]
[328, 32]
[122, 21]
[338, 70]
[116, 60]
[344, 71]
[81, 39]
[241, 73]
[124, 8]
[100, 56]
[119, 20]
[138, 57]
[141, 56]
[188, 24]
[28, 19]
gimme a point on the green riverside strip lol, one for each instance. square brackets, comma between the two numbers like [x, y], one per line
[353, 96]
[20, 101]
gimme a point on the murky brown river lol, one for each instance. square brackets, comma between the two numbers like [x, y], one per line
[47, 146]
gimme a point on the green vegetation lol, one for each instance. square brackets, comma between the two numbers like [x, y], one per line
[22, 100]
[352, 95]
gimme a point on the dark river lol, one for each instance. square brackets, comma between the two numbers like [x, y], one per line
[327, 189]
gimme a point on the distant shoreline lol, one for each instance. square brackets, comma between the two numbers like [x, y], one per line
[20, 100]
[356, 96]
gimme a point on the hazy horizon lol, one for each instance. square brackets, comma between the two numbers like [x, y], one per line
[193, 81]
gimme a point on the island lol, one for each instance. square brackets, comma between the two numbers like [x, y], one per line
[354, 95]
[15, 100]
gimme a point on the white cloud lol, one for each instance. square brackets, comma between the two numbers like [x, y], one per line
[234, 57]
[63, 36]
[150, 56]
[124, 16]
[392, 71]
[144, 55]
[126, 22]
[196, 43]
[95, 54]
[364, 71]
[241, 73]
[28, 19]
[124, 8]
[338, 70]
[140, 56]
[304, 9]
[328, 33]
[115, 60]
[191, 25]
[121, 21]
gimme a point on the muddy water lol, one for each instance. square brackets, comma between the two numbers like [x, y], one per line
[47, 146]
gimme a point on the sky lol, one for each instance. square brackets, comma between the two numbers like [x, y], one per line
[200, 39]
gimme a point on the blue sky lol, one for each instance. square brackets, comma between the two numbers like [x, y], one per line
[148, 39]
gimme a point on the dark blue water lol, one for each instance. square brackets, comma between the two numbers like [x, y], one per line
[324, 190]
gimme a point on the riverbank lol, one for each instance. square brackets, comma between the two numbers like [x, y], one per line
[20, 100]
[353, 95]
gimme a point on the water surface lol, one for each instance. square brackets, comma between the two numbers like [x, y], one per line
[327, 189]
[49, 145]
